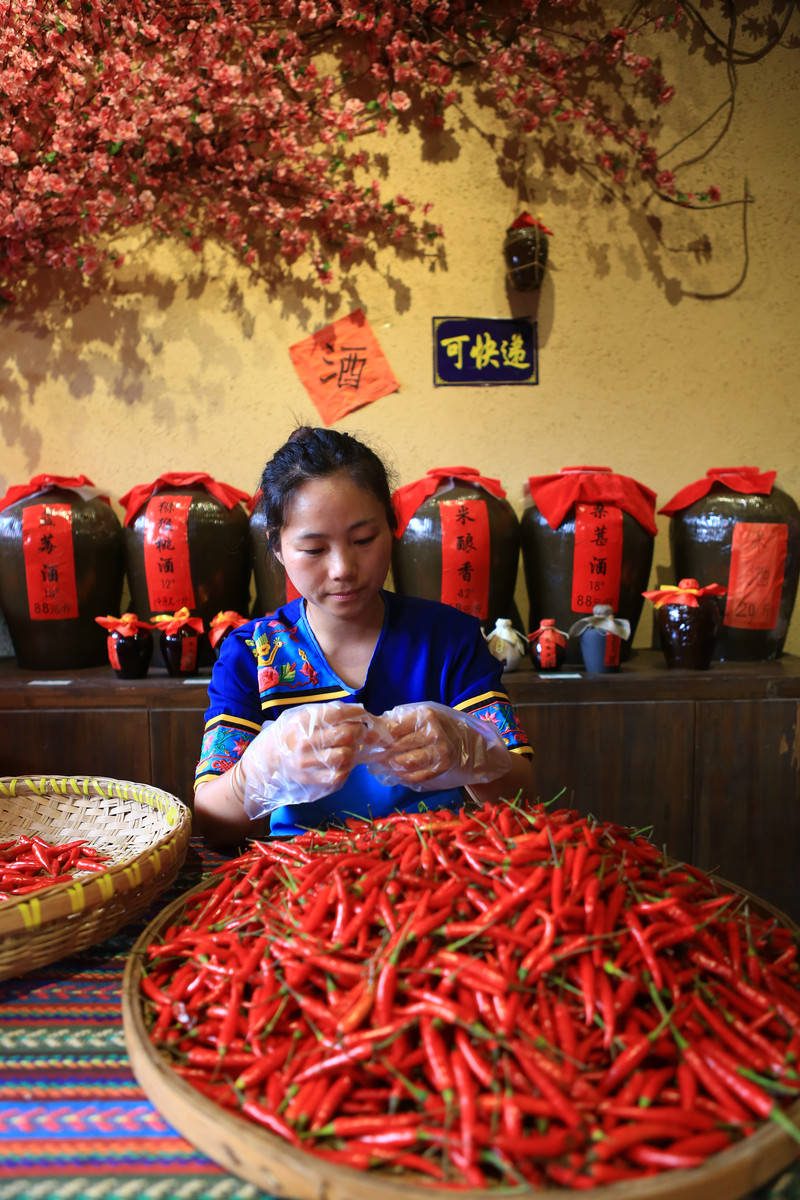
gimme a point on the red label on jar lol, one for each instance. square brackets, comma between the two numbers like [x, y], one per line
[597, 558]
[755, 582]
[466, 553]
[547, 648]
[611, 657]
[166, 553]
[189, 653]
[49, 562]
[113, 657]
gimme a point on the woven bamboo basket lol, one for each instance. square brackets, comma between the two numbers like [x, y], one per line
[251, 1152]
[144, 831]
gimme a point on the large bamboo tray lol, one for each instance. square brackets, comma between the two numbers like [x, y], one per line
[144, 830]
[263, 1159]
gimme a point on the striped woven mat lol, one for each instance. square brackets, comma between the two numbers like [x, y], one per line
[74, 1123]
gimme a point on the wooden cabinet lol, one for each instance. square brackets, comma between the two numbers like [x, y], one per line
[709, 759]
[88, 722]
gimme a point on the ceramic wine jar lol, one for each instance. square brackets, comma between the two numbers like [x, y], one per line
[272, 588]
[737, 527]
[61, 565]
[687, 620]
[187, 546]
[457, 541]
[587, 538]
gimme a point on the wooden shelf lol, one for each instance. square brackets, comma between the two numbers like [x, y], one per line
[709, 759]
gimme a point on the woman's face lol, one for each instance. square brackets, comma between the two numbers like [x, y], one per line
[336, 545]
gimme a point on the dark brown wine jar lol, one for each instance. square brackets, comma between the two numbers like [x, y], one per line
[94, 558]
[219, 560]
[272, 589]
[687, 633]
[703, 535]
[420, 553]
[549, 551]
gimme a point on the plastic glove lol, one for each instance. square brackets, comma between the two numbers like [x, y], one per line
[305, 753]
[433, 747]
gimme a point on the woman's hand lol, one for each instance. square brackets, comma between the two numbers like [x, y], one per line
[306, 753]
[435, 747]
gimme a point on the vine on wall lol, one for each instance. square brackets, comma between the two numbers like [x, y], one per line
[246, 121]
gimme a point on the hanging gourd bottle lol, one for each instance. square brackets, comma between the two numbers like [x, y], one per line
[457, 541]
[587, 539]
[737, 527]
[187, 546]
[61, 565]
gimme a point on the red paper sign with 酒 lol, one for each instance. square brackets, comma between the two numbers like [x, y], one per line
[49, 562]
[166, 553]
[342, 367]
[465, 556]
[597, 557]
[755, 581]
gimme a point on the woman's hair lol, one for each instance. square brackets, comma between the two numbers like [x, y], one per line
[311, 453]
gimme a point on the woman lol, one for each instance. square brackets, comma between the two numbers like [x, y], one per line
[349, 700]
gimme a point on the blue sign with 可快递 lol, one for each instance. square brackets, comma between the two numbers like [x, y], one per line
[476, 351]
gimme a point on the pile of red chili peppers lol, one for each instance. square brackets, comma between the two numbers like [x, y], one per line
[509, 996]
[28, 864]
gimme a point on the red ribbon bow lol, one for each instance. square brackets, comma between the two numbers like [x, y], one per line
[138, 496]
[747, 480]
[554, 495]
[407, 499]
[687, 592]
[39, 482]
[128, 624]
[222, 622]
[175, 622]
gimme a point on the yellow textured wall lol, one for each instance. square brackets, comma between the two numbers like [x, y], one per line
[183, 364]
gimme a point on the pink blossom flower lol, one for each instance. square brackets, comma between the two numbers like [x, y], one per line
[714, 194]
[8, 157]
[665, 181]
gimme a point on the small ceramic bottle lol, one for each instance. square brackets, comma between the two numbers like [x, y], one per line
[548, 645]
[220, 626]
[601, 636]
[180, 641]
[506, 643]
[129, 645]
